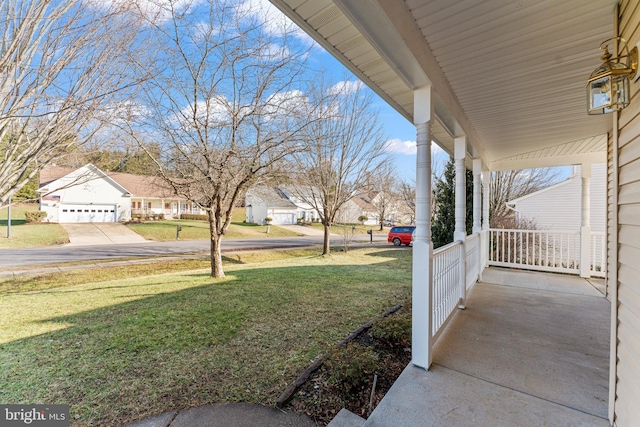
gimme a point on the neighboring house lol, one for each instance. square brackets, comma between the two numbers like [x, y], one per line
[300, 195]
[269, 202]
[558, 207]
[352, 210]
[89, 194]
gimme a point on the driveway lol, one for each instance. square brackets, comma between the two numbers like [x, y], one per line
[100, 233]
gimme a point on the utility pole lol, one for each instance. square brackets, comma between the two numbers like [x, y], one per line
[9, 219]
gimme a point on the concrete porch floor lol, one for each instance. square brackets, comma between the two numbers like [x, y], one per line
[531, 349]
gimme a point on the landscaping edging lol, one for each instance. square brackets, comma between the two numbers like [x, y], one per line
[290, 391]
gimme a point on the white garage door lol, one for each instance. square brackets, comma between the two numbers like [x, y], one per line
[87, 213]
[282, 218]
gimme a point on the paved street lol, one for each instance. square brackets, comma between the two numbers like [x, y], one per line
[70, 253]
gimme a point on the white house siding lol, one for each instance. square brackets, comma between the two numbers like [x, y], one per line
[559, 207]
[84, 188]
[264, 203]
[627, 403]
[256, 209]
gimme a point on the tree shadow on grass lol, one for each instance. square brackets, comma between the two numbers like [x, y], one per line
[242, 338]
[4, 222]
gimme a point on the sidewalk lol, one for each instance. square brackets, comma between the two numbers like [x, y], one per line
[225, 415]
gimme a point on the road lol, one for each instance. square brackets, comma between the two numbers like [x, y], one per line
[70, 253]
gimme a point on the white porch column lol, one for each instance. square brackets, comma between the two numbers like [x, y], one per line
[484, 236]
[486, 186]
[477, 195]
[460, 152]
[421, 335]
[460, 231]
[585, 230]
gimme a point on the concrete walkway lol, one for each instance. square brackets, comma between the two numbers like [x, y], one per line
[100, 233]
[305, 231]
[531, 349]
[226, 415]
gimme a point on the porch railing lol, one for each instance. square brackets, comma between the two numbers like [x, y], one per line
[598, 254]
[555, 251]
[447, 284]
[473, 261]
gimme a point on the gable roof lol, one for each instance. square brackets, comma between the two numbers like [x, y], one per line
[273, 197]
[136, 185]
[51, 173]
[363, 204]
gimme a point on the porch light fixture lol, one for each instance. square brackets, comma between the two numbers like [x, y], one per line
[608, 86]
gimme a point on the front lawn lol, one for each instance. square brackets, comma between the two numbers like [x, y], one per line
[193, 230]
[25, 235]
[118, 350]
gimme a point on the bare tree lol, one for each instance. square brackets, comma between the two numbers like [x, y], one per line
[342, 149]
[385, 201]
[408, 197]
[509, 185]
[61, 65]
[223, 105]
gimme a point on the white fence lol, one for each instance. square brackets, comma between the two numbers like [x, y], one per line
[447, 283]
[598, 254]
[555, 251]
[473, 261]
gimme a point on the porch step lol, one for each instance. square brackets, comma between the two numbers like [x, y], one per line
[346, 418]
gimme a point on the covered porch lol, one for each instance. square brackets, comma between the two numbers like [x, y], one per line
[529, 349]
[500, 85]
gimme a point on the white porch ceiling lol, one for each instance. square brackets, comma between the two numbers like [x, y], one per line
[509, 74]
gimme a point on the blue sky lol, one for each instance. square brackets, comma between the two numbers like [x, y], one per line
[400, 133]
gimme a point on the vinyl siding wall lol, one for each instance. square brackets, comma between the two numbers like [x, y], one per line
[627, 403]
[560, 207]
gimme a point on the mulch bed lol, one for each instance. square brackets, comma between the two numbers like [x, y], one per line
[321, 399]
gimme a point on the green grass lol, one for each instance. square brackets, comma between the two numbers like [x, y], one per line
[192, 230]
[25, 235]
[360, 229]
[117, 349]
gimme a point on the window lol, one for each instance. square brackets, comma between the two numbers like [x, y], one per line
[64, 210]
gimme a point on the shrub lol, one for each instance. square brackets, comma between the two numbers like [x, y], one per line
[362, 218]
[351, 367]
[195, 217]
[35, 216]
[394, 330]
[268, 220]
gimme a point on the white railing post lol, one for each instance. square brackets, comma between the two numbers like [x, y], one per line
[460, 233]
[486, 243]
[422, 280]
[585, 230]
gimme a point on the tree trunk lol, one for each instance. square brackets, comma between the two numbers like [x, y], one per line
[216, 253]
[326, 248]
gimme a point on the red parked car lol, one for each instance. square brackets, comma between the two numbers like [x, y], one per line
[401, 235]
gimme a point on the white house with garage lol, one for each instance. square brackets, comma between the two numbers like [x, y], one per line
[283, 204]
[263, 202]
[89, 194]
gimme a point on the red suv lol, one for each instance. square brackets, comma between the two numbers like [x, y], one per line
[401, 235]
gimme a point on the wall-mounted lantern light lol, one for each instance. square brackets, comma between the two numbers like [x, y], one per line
[608, 86]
